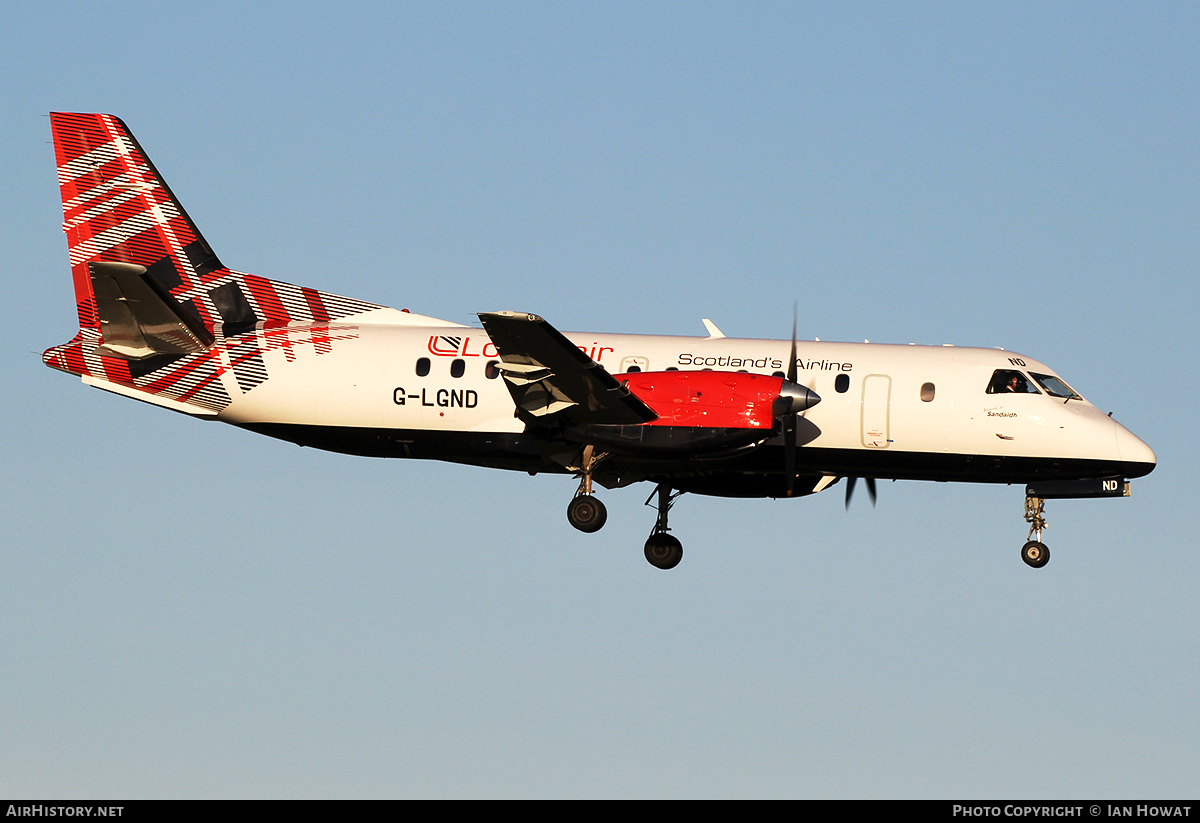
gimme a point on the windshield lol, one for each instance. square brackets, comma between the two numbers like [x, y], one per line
[1055, 387]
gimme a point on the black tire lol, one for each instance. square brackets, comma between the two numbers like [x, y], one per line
[1035, 554]
[586, 513]
[663, 551]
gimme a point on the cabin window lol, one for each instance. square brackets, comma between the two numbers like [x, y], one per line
[492, 370]
[457, 367]
[633, 369]
[841, 383]
[927, 392]
[422, 366]
[1010, 381]
[779, 374]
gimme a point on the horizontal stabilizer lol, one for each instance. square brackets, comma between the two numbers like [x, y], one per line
[136, 321]
[153, 399]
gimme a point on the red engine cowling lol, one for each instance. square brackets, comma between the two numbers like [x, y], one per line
[709, 399]
[699, 412]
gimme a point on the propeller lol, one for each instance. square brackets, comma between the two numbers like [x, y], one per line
[789, 420]
[850, 481]
[793, 399]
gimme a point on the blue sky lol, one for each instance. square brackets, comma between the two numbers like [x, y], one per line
[190, 610]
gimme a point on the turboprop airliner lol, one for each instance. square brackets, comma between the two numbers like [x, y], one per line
[162, 320]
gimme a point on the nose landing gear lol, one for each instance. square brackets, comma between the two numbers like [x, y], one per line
[1037, 492]
[1035, 553]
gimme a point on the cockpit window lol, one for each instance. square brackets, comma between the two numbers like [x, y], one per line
[1009, 381]
[1055, 387]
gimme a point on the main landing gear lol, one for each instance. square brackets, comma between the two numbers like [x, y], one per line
[1035, 552]
[663, 550]
[588, 514]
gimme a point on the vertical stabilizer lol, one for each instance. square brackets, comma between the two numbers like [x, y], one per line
[158, 312]
[117, 209]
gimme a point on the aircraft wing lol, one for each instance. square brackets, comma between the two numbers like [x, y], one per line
[550, 378]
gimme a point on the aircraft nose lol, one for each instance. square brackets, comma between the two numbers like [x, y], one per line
[794, 398]
[1134, 452]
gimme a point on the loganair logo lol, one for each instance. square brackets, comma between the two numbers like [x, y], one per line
[445, 346]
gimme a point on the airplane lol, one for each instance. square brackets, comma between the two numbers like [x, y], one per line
[162, 320]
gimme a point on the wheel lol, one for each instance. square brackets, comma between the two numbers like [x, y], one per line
[1035, 554]
[663, 551]
[586, 513]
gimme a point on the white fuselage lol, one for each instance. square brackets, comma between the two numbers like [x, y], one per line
[891, 400]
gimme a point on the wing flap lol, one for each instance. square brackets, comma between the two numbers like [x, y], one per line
[548, 375]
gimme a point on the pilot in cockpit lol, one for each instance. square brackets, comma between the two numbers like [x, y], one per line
[1007, 381]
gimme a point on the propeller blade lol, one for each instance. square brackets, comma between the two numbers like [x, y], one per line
[789, 451]
[850, 481]
[791, 371]
[789, 421]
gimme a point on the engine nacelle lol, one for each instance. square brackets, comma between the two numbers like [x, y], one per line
[700, 412]
[734, 400]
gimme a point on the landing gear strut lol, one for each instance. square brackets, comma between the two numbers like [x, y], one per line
[1035, 553]
[586, 512]
[663, 550]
